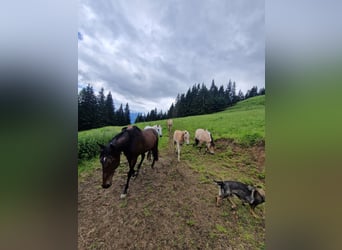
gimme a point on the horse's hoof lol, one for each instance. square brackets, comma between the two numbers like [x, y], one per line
[122, 196]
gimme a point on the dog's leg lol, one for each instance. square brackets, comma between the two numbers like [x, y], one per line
[253, 213]
[218, 200]
[233, 204]
[219, 197]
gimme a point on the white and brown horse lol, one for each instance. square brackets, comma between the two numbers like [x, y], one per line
[179, 137]
[204, 136]
[157, 128]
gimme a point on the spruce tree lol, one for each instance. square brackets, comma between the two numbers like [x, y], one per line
[120, 116]
[171, 111]
[101, 113]
[110, 110]
[261, 91]
[241, 95]
[87, 109]
[127, 115]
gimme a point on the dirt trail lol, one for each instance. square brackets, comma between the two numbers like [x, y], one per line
[166, 208]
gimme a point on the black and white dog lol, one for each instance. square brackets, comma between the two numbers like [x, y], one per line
[248, 194]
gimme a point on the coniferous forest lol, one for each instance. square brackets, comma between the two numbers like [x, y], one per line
[199, 100]
[96, 111]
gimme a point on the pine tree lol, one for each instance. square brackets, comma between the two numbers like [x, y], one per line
[110, 110]
[120, 116]
[213, 105]
[241, 95]
[101, 113]
[87, 109]
[127, 115]
[140, 118]
[203, 98]
[228, 94]
[233, 94]
[171, 111]
[220, 99]
[261, 91]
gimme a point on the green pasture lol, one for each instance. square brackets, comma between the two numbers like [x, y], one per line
[243, 123]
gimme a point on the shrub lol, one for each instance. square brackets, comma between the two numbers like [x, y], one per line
[87, 141]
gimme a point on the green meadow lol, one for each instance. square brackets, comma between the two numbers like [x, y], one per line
[243, 124]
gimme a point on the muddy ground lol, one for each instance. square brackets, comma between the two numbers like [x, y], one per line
[166, 208]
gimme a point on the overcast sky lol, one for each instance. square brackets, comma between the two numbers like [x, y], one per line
[146, 52]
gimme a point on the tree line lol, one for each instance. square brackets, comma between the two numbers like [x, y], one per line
[95, 111]
[199, 100]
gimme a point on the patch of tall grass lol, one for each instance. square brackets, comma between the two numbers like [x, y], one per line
[87, 141]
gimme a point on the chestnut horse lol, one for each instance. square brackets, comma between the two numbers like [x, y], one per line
[169, 125]
[132, 142]
[204, 136]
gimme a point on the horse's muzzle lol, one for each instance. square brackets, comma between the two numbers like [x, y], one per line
[106, 185]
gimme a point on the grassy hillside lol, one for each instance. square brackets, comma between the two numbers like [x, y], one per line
[243, 124]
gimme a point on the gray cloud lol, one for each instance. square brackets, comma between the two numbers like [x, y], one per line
[146, 52]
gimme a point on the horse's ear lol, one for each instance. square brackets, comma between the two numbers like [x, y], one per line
[101, 145]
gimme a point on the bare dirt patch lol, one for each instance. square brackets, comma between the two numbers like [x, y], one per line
[166, 208]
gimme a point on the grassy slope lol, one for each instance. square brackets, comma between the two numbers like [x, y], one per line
[244, 123]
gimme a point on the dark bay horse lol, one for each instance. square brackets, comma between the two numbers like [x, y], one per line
[132, 142]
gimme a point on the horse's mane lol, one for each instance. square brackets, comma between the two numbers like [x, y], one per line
[132, 132]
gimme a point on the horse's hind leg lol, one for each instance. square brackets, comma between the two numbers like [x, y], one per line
[155, 156]
[149, 155]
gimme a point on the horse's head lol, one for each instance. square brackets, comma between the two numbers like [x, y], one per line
[186, 137]
[110, 160]
[159, 130]
[211, 147]
[211, 144]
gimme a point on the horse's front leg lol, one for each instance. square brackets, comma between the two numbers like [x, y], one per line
[129, 175]
[141, 161]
